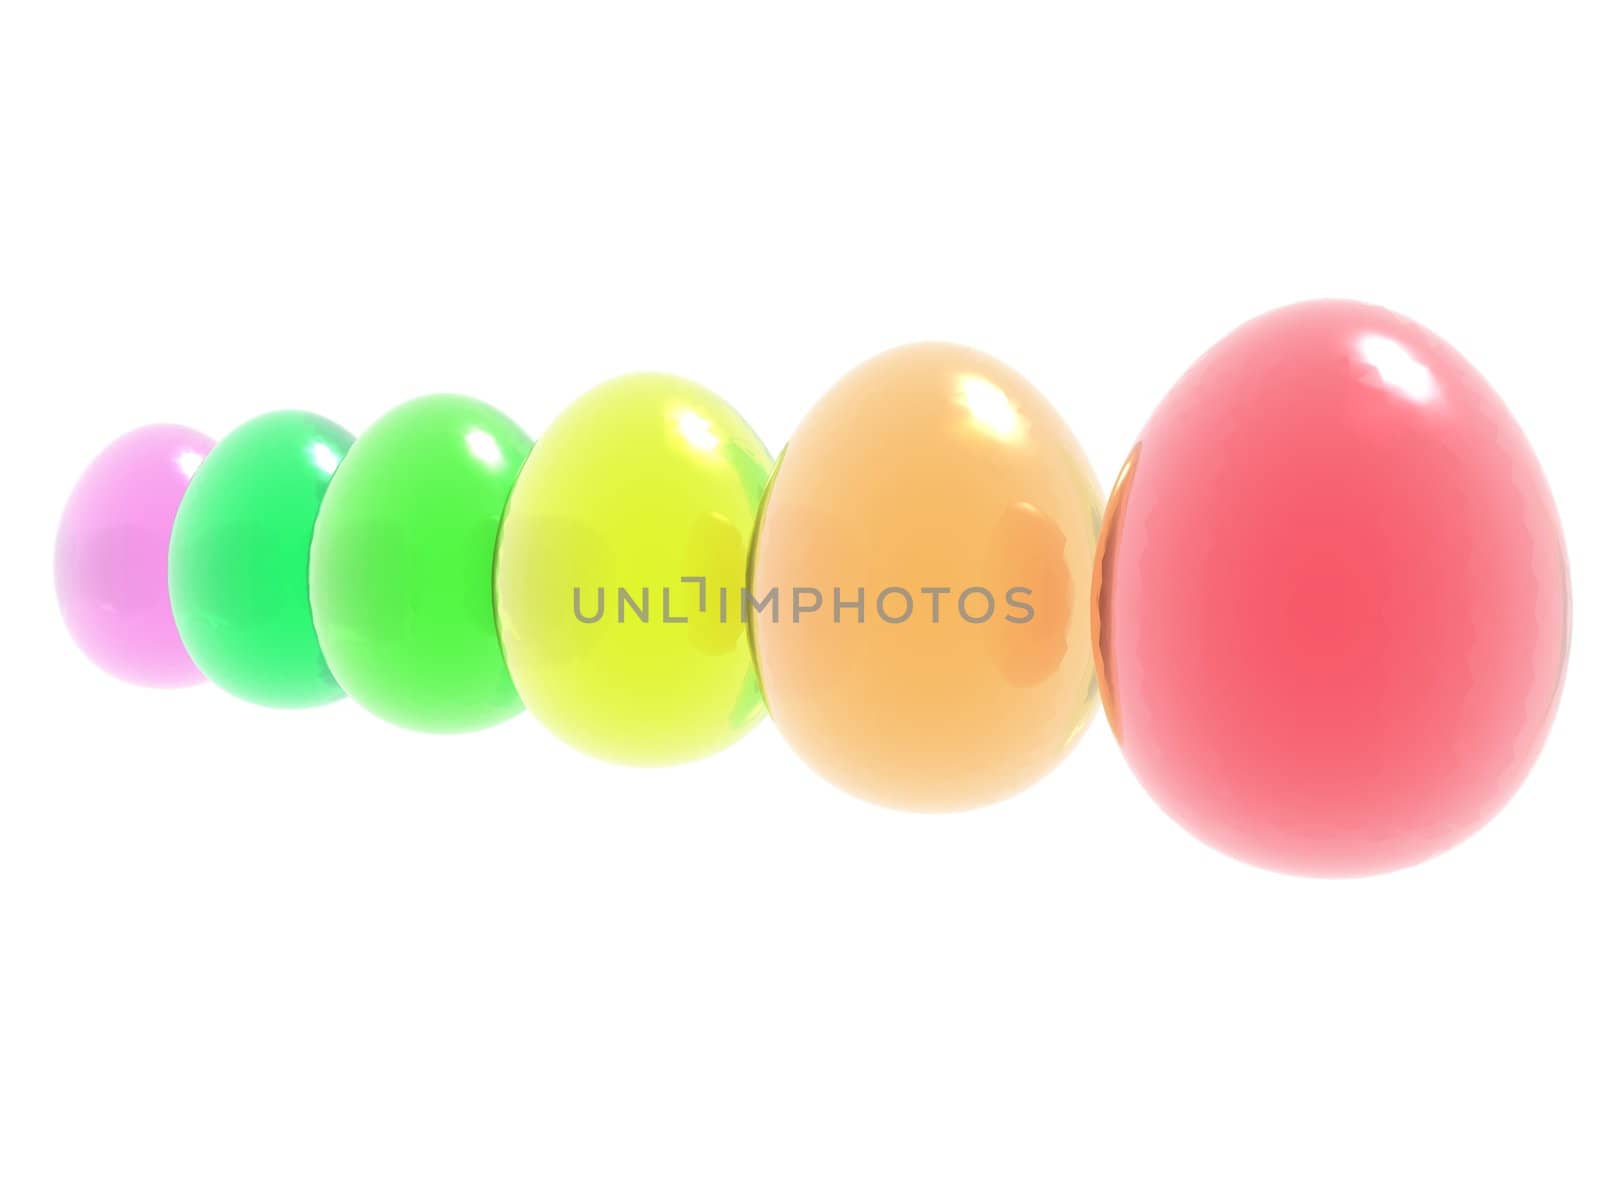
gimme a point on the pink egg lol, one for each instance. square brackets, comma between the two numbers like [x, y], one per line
[1332, 602]
[111, 555]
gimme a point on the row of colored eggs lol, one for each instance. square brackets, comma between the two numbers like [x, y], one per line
[1327, 608]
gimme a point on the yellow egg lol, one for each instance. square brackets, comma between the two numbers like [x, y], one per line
[620, 567]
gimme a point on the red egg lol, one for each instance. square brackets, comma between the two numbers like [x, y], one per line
[1332, 602]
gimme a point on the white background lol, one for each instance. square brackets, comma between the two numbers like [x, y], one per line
[257, 954]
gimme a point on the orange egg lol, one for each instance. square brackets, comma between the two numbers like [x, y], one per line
[919, 588]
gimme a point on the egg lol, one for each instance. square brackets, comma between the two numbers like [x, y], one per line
[111, 555]
[924, 563]
[1332, 606]
[239, 560]
[621, 565]
[402, 565]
